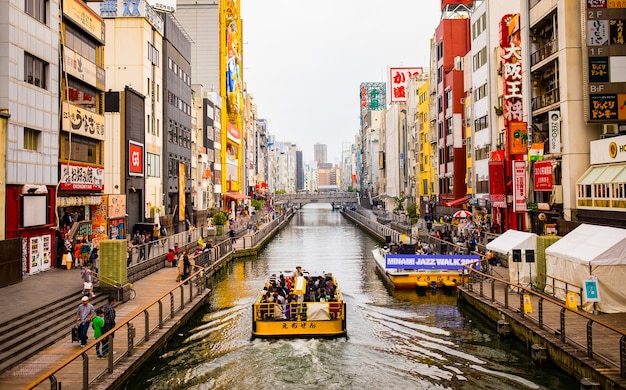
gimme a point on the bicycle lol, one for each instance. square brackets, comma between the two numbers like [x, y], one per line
[133, 293]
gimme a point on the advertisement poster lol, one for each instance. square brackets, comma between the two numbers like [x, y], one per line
[519, 186]
[99, 222]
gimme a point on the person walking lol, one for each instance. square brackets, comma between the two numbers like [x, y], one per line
[84, 315]
[109, 323]
[87, 277]
[181, 267]
[97, 325]
[85, 251]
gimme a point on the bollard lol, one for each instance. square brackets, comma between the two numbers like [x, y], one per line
[538, 353]
[589, 384]
[504, 328]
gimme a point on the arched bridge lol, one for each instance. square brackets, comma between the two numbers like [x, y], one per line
[334, 198]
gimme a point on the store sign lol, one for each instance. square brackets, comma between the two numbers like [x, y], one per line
[497, 187]
[135, 159]
[511, 68]
[78, 12]
[116, 206]
[554, 125]
[81, 177]
[606, 151]
[135, 8]
[68, 201]
[519, 186]
[543, 175]
[518, 135]
[233, 133]
[79, 67]
[82, 122]
[181, 191]
[398, 80]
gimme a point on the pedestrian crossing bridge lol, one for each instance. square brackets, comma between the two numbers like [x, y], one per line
[334, 198]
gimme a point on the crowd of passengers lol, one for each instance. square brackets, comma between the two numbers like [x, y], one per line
[280, 290]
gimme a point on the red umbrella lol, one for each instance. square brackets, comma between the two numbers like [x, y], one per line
[462, 214]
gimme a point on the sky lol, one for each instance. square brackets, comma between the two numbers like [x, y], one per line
[303, 61]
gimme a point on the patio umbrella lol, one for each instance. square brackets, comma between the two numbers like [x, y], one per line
[462, 214]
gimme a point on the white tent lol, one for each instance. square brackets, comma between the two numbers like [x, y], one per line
[591, 250]
[514, 239]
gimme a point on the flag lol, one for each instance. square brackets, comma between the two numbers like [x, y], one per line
[535, 153]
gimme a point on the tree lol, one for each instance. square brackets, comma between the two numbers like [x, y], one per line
[399, 200]
[412, 212]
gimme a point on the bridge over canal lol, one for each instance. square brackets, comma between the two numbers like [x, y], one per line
[334, 198]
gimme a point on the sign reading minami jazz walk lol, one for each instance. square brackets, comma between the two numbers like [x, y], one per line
[429, 262]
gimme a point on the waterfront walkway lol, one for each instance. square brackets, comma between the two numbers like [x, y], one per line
[45, 288]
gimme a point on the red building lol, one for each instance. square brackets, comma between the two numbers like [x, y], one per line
[452, 40]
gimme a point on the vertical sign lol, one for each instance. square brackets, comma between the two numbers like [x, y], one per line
[519, 186]
[398, 79]
[181, 191]
[554, 123]
[511, 68]
[518, 134]
[605, 52]
[543, 175]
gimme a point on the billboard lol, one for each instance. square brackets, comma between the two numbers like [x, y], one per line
[135, 159]
[398, 80]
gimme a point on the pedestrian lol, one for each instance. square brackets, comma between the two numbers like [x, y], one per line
[233, 235]
[176, 253]
[171, 257]
[97, 325]
[87, 276]
[85, 251]
[77, 248]
[109, 323]
[84, 315]
[186, 267]
[181, 267]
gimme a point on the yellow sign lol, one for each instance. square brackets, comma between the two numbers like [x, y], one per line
[528, 305]
[570, 301]
[85, 17]
[82, 122]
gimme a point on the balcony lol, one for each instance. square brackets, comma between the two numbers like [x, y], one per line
[547, 99]
[544, 52]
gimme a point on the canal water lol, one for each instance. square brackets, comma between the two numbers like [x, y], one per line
[396, 340]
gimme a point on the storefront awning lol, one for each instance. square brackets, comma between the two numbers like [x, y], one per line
[458, 201]
[235, 195]
[604, 174]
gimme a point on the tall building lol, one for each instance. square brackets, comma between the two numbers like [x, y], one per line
[319, 153]
[29, 124]
[451, 40]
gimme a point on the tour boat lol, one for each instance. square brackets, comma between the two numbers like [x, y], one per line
[302, 317]
[402, 268]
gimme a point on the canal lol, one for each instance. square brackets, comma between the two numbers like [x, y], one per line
[395, 339]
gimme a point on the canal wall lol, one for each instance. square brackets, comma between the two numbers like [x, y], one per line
[568, 357]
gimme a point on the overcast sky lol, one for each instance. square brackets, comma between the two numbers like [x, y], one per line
[305, 60]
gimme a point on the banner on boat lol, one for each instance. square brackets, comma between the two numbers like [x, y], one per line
[429, 262]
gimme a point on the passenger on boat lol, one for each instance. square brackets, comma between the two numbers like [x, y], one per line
[297, 272]
[311, 290]
[323, 296]
[279, 305]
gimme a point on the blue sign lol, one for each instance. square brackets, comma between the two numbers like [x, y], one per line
[591, 291]
[428, 262]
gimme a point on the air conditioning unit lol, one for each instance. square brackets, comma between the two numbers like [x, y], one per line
[557, 194]
[458, 63]
[610, 129]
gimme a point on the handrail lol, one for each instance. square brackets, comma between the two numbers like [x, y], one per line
[199, 274]
[484, 277]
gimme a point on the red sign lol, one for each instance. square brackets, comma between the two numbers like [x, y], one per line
[398, 80]
[496, 184]
[233, 133]
[543, 175]
[135, 159]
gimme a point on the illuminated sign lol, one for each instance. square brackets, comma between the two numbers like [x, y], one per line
[519, 137]
[554, 125]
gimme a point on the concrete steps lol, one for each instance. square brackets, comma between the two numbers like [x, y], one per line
[26, 335]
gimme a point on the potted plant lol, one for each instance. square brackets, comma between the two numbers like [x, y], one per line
[499, 110]
[219, 219]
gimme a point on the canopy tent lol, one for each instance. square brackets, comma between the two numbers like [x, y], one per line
[590, 250]
[522, 271]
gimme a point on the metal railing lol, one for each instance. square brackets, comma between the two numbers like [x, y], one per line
[553, 315]
[138, 329]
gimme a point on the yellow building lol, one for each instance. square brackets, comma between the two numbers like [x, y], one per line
[426, 171]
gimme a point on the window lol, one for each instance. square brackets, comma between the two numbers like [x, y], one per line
[31, 139]
[153, 165]
[83, 149]
[480, 58]
[153, 54]
[35, 71]
[36, 9]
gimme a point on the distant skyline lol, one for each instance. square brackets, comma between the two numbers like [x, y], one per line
[304, 61]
